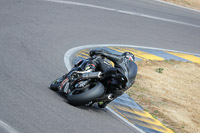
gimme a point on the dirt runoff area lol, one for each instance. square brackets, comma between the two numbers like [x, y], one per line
[170, 92]
[195, 4]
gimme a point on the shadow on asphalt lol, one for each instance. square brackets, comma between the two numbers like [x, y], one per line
[94, 107]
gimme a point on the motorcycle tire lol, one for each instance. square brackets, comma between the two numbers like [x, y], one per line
[56, 83]
[95, 90]
[54, 86]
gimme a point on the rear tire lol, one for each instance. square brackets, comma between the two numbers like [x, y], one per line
[97, 90]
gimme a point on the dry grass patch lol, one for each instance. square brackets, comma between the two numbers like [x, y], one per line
[195, 4]
[170, 91]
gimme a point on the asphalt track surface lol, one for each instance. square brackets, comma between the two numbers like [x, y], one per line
[34, 36]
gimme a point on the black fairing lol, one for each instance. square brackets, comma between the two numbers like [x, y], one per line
[132, 72]
[90, 95]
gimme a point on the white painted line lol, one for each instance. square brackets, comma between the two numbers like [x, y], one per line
[177, 5]
[124, 12]
[7, 127]
[76, 49]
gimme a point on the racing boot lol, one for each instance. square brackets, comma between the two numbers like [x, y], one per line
[102, 104]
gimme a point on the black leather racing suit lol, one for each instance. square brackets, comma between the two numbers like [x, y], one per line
[125, 66]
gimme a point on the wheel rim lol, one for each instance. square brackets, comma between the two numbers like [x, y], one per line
[82, 90]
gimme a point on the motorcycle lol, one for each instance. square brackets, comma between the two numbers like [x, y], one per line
[87, 88]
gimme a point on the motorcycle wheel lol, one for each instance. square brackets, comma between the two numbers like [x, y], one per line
[93, 91]
[56, 83]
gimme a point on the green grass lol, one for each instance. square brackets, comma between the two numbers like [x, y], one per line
[159, 70]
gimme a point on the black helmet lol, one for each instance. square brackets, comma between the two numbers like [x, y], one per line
[129, 56]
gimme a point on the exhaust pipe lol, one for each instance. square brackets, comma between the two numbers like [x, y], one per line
[89, 75]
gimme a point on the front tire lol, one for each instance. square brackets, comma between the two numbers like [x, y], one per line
[54, 86]
[95, 90]
[56, 83]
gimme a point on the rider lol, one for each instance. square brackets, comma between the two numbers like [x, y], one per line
[124, 64]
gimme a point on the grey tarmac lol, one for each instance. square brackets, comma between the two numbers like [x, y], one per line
[34, 36]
